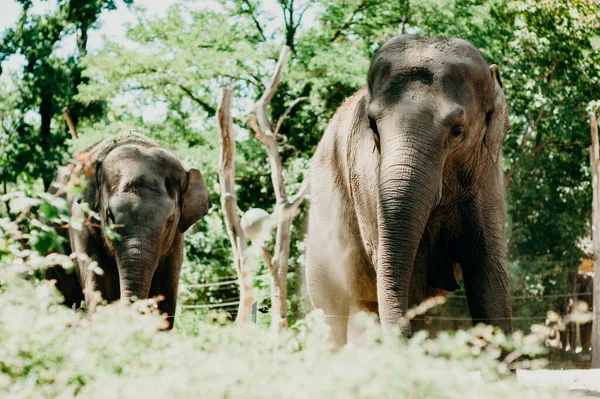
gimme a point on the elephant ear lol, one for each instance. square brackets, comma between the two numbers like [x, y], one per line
[497, 118]
[195, 201]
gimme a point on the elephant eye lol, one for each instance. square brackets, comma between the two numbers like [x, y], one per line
[457, 130]
[488, 117]
[373, 126]
[170, 222]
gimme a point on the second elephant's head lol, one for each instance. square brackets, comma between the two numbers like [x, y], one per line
[147, 198]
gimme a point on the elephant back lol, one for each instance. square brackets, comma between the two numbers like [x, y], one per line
[99, 151]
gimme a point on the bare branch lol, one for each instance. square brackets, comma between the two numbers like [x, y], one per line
[70, 123]
[267, 258]
[285, 210]
[540, 146]
[296, 200]
[227, 170]
[594, 165]
[259, 122]
[286, 113]
[260, 107]
[257, 131]
[251, 11]
[204, 105]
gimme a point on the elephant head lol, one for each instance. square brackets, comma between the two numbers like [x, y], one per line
[146, 195]
[438, 117]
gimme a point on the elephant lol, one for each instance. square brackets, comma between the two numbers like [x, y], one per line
[407, 190]
[143, 193]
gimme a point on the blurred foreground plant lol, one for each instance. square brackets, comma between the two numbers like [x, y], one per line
[50, 351]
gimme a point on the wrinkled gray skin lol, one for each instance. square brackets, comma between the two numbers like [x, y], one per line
[143, 191]
[406, 188]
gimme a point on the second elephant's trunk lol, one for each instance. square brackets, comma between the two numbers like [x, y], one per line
[409, 186]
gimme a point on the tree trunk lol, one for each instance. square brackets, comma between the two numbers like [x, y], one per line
[229, 205]
[46, 120]
[595, 155]
[285, 208]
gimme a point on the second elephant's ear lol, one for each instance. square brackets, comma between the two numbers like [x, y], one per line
[496, 118]
[195, 201]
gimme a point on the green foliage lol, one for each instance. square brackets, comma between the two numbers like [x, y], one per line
[550, 68]
[51, 351]
[47, 84]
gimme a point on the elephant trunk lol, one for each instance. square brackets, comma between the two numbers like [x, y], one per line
[137, 259]
[409, 187]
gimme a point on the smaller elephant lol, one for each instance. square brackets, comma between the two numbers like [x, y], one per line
[143, 193]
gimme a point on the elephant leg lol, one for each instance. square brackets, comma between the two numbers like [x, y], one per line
[586, 337]
[99, 287]
[337, 313]
[337, 317]
[486, 284]
[355, 330]
[485, 270]
[165, 283]
[68, 284]
[325, 294]
[95, 286]
[418, 287]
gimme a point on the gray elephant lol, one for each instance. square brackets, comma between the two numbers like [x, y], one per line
[406, 188]
[144, 193]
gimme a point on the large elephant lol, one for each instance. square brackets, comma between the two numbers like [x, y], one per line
[144, 193]
[406, 186]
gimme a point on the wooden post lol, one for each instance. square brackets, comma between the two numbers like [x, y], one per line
[70, 123]
[595, 168]
[229, 205]
[285, 208]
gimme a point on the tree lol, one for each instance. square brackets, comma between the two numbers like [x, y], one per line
[549, 56]
[49, 83]
[595, 168]
[230, 212]
[285, 208]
